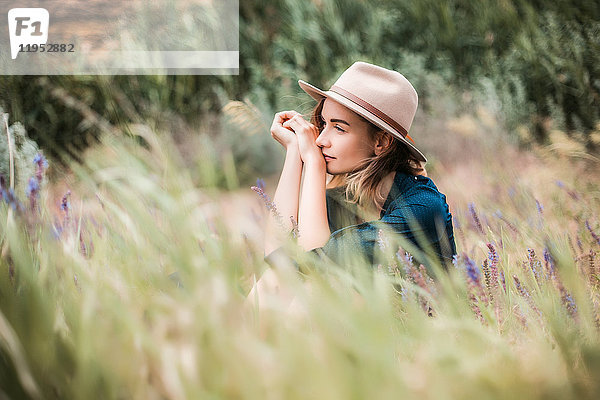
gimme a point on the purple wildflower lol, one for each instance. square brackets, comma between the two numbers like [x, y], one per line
[511, 226]
[540, 207]
[406, 259]
[41, 165]
[579, 244]
[472, 270]
[594, 235]
[534, 264]
[494, 260]
[65, 205]
[9, 196]
[33, 193]
[573, 195]
[475, 218]
[502, 280]
[525, 294]
[520, 288]
[493, 256]
[569, 303]
[33, 187]
[594, 276]
[270, 205]
[549, 263]
[260, 183]
[456, 222]
[559, 184]
[487, 278]
[40, 160]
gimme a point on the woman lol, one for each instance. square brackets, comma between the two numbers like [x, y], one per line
[358, 134]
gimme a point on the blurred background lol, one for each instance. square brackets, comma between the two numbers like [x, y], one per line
[533, 67]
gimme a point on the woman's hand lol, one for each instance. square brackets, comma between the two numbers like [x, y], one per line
[307, 133]
[284, 135]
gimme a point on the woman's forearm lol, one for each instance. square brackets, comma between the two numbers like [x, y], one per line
[312, 216]
[285, 199]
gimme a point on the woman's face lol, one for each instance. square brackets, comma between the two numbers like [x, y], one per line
[344, 140]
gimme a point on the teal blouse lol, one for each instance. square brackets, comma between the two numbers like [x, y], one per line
[414, 209]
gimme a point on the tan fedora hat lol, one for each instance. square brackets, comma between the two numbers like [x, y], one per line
[384, 97]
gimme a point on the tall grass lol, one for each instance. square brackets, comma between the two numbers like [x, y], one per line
[134, 288]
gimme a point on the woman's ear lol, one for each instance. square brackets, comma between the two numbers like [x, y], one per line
[382, 142]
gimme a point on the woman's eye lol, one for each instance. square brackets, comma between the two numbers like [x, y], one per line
[323, 123]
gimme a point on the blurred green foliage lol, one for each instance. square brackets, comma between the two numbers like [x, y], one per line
[541, 57]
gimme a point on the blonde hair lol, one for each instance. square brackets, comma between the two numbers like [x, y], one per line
[363, 186]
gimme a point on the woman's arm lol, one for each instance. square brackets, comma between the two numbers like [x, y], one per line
[312, 216]
[288, 188]
[285, 199]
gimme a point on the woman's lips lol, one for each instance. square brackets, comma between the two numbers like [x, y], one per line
[328, 158]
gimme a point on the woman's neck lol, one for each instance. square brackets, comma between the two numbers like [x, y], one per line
[373, 211]
[386, 185]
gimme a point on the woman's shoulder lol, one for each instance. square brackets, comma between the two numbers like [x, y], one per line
[416, 192]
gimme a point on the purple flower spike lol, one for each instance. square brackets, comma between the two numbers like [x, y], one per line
[270, 206]
[472, 270]
[260, 183]
[455, 222]
[534, 264]
[494, 260]
[594, 235]
[9, 196]
[475, 218]
[65, 205]
[33, 188]
[540, 207]
[33, 193]
[501, 274]
[41, 165]
[549, 263]
[40, 160]
[569, 303]
[525, 294]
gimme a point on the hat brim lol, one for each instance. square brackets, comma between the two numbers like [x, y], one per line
[319, 94]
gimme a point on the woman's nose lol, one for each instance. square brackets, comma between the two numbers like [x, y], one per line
[322, 140]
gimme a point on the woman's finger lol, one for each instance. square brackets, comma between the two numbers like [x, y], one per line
[298, 124]
[283, 116]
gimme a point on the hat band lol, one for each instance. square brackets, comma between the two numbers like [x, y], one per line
[373, 110]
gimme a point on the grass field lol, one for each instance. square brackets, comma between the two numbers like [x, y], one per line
[90, 308]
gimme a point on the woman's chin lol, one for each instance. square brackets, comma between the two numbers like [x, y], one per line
[333, 171]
